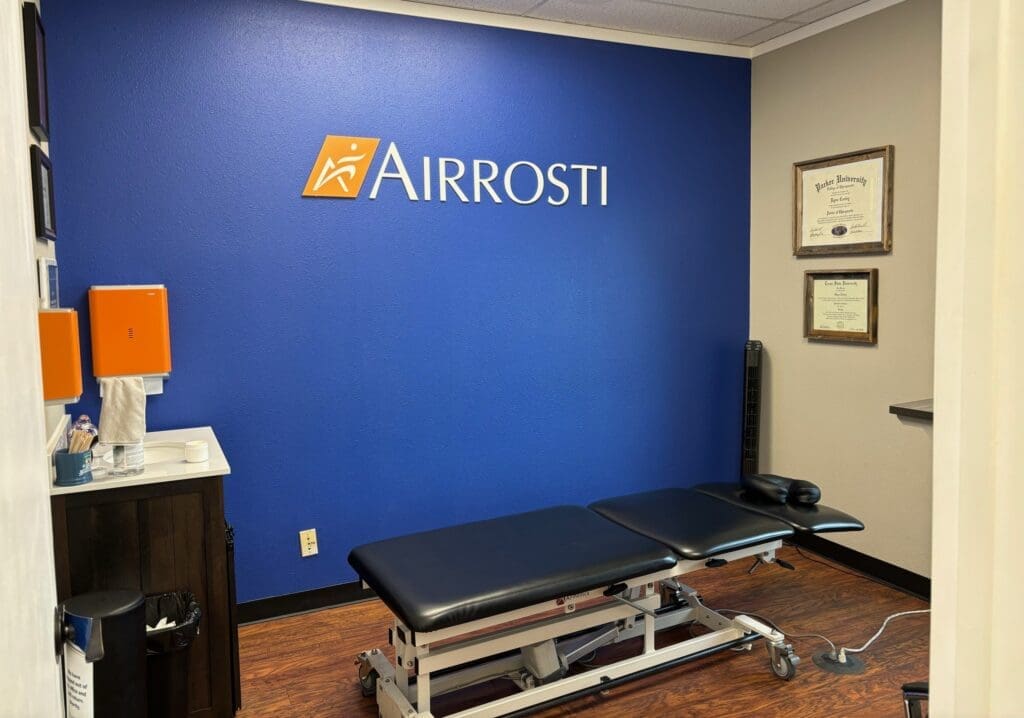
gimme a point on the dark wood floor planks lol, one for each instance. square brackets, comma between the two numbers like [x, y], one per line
[302, 666]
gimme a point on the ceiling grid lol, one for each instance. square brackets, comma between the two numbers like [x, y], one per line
[733, 22]
[734, 28]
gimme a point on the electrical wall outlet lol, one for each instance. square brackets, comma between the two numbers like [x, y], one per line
[307, 543]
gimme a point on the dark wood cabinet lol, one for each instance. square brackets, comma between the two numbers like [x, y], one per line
[159, 537]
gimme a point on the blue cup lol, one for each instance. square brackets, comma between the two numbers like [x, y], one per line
[73, 469]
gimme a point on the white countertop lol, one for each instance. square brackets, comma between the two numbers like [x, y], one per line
[173, 468]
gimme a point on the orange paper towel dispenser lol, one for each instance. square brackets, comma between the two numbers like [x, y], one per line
[130, 331]
[61, 355]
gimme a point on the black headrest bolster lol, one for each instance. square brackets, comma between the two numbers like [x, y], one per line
[776, 489]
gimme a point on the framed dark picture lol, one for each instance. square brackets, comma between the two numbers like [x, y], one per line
[841, 305]
[35, 65]
[42, 195]
[843, 204]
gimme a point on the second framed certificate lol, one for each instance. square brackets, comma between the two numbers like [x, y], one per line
[843, 204]
[841, 304]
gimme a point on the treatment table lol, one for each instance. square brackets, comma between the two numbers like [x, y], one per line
[530, 597]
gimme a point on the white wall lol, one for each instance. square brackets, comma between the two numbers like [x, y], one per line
[979, 381]
[872, 82]
[29, 678]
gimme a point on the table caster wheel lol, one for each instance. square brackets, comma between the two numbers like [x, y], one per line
[368, 683]
[782, 662]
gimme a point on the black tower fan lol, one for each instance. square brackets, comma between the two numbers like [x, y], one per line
[751, 406]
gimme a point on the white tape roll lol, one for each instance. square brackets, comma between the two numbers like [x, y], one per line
[197, 451]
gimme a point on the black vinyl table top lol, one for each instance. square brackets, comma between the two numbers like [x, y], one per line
[442, 578]
[450, 576]
[693, 525]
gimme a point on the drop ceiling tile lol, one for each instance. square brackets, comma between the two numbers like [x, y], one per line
[504, 7]
[650, 18]
[773, 9]
[768, 33]
[826, 9]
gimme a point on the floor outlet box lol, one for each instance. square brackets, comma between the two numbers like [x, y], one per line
[307, 543]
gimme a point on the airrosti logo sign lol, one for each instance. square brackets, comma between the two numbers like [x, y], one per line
[344, 163]
[340, 169]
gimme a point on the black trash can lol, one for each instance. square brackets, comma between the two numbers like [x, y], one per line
[167, 651]
[105, 629]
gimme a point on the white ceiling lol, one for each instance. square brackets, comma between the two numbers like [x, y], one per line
[744, 23]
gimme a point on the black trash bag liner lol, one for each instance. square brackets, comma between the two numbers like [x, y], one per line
[180, 607]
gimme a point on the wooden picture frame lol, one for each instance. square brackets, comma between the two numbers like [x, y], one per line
[843, 204]
[35, 72]
[841, 305]
[44, 208]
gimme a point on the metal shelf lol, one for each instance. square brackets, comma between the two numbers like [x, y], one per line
[921, 409]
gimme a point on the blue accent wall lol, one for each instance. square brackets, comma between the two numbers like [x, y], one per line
[378, 367]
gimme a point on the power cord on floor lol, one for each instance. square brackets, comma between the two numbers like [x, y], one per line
[837, 654]
[844, 651]
[841, 654]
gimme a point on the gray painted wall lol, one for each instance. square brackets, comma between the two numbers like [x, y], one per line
[871, 82]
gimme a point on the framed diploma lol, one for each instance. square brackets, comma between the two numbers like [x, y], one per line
[841, 304]
[843, 204]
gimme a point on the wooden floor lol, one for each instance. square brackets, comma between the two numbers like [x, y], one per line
[302, 666]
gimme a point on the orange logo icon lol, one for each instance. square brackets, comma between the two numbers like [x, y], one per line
[341, 166]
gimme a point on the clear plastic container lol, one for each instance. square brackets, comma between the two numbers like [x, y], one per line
[127, 459]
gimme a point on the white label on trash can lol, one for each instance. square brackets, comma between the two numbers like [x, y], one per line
[78, 689]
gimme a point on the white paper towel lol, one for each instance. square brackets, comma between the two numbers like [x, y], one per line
[123, 412]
